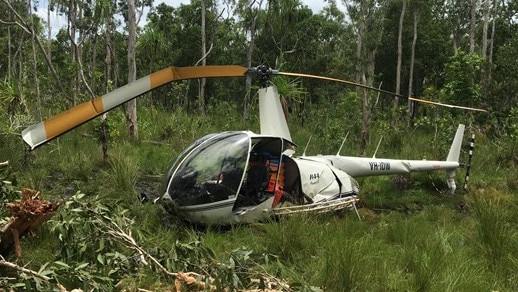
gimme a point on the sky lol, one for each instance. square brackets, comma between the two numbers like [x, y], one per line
[58, 21]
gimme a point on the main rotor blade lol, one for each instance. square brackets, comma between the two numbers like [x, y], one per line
[447, 105]
[339, 80]
[379, 90]
[38, 134]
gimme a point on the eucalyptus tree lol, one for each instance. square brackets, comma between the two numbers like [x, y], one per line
[458, 15]
[283, 34]
[131, 106]
[292, 38]
[415, 18]
[132, 11]
[20, 24]
[159, 46]
[367, 19]
[248, 11]
[503, 94]
[72, 10]
[399, 52]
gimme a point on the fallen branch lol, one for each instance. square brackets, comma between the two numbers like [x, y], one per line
[190, 278]
[4, 163]
[18, 268]
[14, 266]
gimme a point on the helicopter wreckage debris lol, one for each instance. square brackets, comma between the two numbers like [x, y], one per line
[28, 213]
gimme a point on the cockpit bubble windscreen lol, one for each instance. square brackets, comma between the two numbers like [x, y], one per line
[212, 171]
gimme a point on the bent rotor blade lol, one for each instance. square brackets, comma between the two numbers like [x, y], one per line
[339, 80]
[379, 90]
[447, 105]
[38, 134]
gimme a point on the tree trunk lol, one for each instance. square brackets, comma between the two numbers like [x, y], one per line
[399, 58]
[131, 107]
[248, 78]
[49, 33]
[9, 53]
[411, 104]
[361, 78]
[485, 67]
[201, 95]
[484, 28]
[107, 87]
[359, 58]
[490, 57]
[473, 26]
[73, 48]
[36, 78]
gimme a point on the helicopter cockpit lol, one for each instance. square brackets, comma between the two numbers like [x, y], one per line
[229, 169]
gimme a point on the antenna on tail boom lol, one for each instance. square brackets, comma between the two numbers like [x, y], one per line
[470, 155]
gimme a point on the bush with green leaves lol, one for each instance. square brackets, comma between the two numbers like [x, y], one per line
[7, 191]
[99, 247]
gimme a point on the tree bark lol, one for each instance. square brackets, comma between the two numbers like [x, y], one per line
[36, 78]
[203, 81]
[490, 57]
[411, 104]
[248, 78]
[72, 18]
[473, 26]
[131, 107]
[484, 28]
[399, 57]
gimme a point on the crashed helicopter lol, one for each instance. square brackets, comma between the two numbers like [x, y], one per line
[243, 177]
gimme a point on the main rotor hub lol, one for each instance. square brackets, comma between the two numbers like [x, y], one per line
[263, 73]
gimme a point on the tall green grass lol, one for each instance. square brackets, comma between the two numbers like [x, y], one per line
[412, 236]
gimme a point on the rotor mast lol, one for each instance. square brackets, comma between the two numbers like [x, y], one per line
[273, 122]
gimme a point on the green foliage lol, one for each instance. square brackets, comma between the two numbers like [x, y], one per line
[462, 74]
[7, 192]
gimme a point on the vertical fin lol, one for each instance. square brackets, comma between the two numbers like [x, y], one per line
[456, 145]
[454, 155]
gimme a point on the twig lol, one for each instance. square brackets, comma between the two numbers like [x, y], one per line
[190, 278]
[4, 163]
[18, 268]
[156, 142]
[14, 266]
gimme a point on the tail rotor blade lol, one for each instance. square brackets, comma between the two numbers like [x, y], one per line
[38, 134]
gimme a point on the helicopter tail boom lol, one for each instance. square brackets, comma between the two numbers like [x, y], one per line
[363, 166]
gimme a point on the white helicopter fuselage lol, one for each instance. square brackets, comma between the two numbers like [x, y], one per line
[242, 177]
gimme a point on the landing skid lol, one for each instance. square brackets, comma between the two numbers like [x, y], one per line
[342, 203]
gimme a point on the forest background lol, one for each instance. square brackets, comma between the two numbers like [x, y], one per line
[412, 236]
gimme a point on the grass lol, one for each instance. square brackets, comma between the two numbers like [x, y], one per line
[412, 236]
